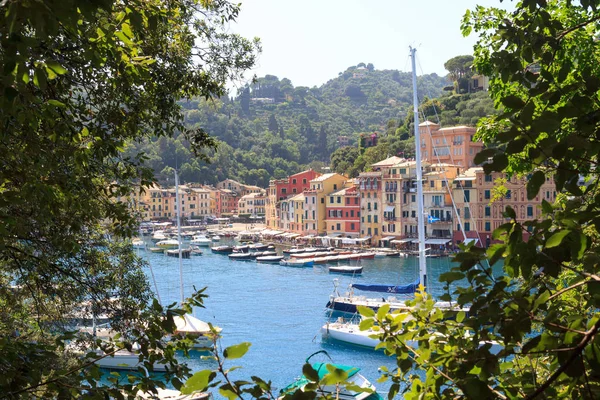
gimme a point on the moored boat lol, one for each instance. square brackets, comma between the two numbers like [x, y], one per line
[269, 259]
[296, 263]
[200, 240]
[185, 253]
[241, 256]
[222, 249]
[346, 269]
[168, 244]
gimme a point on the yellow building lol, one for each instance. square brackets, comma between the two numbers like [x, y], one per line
[315, 211]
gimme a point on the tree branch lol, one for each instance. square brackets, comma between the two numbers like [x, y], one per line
[578, 350]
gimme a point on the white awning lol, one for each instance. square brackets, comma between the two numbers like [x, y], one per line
[389, 208]
[469, 240]
[334, 235]
[363, 239]
[437, 241]
[402, 241]
[465, 178]
[385, 239]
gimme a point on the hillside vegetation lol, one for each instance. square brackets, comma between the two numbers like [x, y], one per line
[273, 129]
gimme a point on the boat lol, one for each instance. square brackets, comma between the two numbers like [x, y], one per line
[200, 240]
[156, 250]
[350, 302]
[185, 253]
[222, 249]
[296, 263]
[158, 236]
[333, 391]
[215, 238]
[367, 256]
[294, 250]
[380, 254]
[273, 259]
[241, 248]
[241, 256]
[347, 331]
[138, 243]
[259, 246]
[196, 250]
[168, 244]
[346, 269]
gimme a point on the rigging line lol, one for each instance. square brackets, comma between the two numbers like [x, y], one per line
[437, 117]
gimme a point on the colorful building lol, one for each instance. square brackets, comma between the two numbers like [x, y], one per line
[480, 213]
[453, 145]
[370, 204]
[343, 213]
[320, 188]
[281, 189]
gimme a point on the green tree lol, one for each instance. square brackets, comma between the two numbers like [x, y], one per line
[543, 60]
[80, 80]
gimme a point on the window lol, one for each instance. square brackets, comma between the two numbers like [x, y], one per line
[304, 181]
[352, 226]
[403, 171]
[508, 194]
[467, 212]
[368, 218]
[413, 214]
[467, 196]
[376, 231]
[530, 211]
[431, 184]
[332, 227]
[322, 200]
[362, 220]
[488, 212]
[487, 194]
[293, 181]
[334, 186]
[488, 226]
[339, 199]
[374, 206]
[331, 199]
[352, 213]
[375, 219]
[338, 227]
[413, 198]
[467, 226]
[368, 231]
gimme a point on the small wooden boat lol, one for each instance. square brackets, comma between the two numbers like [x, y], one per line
[346, 269]
[168, 244]
[269, 259]
[368, 256]
[294, 250]
[259, 246]
[156, 250]
[196, 251]
[296, 263]
[185, 253]
[222, 249]
[264, 253]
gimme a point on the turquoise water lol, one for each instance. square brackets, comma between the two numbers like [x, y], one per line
[279, 309]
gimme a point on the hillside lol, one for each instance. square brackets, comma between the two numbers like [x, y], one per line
[273, 129]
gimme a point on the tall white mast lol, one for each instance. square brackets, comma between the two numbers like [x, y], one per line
[420, 210]
[179, 234]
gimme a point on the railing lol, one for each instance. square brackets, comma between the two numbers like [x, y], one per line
[391, 218]
[391, 189]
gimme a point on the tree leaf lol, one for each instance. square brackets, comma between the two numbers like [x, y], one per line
[198, 382]
[366, 311]
[236, 351]
[534, 184]
[557, 238]
[514, 102]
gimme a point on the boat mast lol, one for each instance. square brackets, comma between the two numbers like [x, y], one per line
[179, 235]
[420, 211]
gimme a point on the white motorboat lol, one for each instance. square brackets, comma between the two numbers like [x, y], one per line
[215, 238]
[158, 236]
[138, 243]
[168, 244]
[296, 263]
[348, 332]
[200, 240]
[269, 259]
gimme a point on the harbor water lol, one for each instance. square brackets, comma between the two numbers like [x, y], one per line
[279, 309]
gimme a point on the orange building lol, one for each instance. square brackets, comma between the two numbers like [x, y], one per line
[453, 145]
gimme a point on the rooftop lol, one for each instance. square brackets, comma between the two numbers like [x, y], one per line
[388, 161]
[324, 177]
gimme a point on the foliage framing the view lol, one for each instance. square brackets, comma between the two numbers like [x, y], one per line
[79, 79]
[543, 61]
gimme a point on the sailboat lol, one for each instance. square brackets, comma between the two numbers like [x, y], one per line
[188, 325]
[349, 332]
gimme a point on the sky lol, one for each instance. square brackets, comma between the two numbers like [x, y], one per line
[311, 41]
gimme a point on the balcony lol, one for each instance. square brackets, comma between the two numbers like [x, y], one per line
[433, 220]
[391, 219]
[391, 189]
